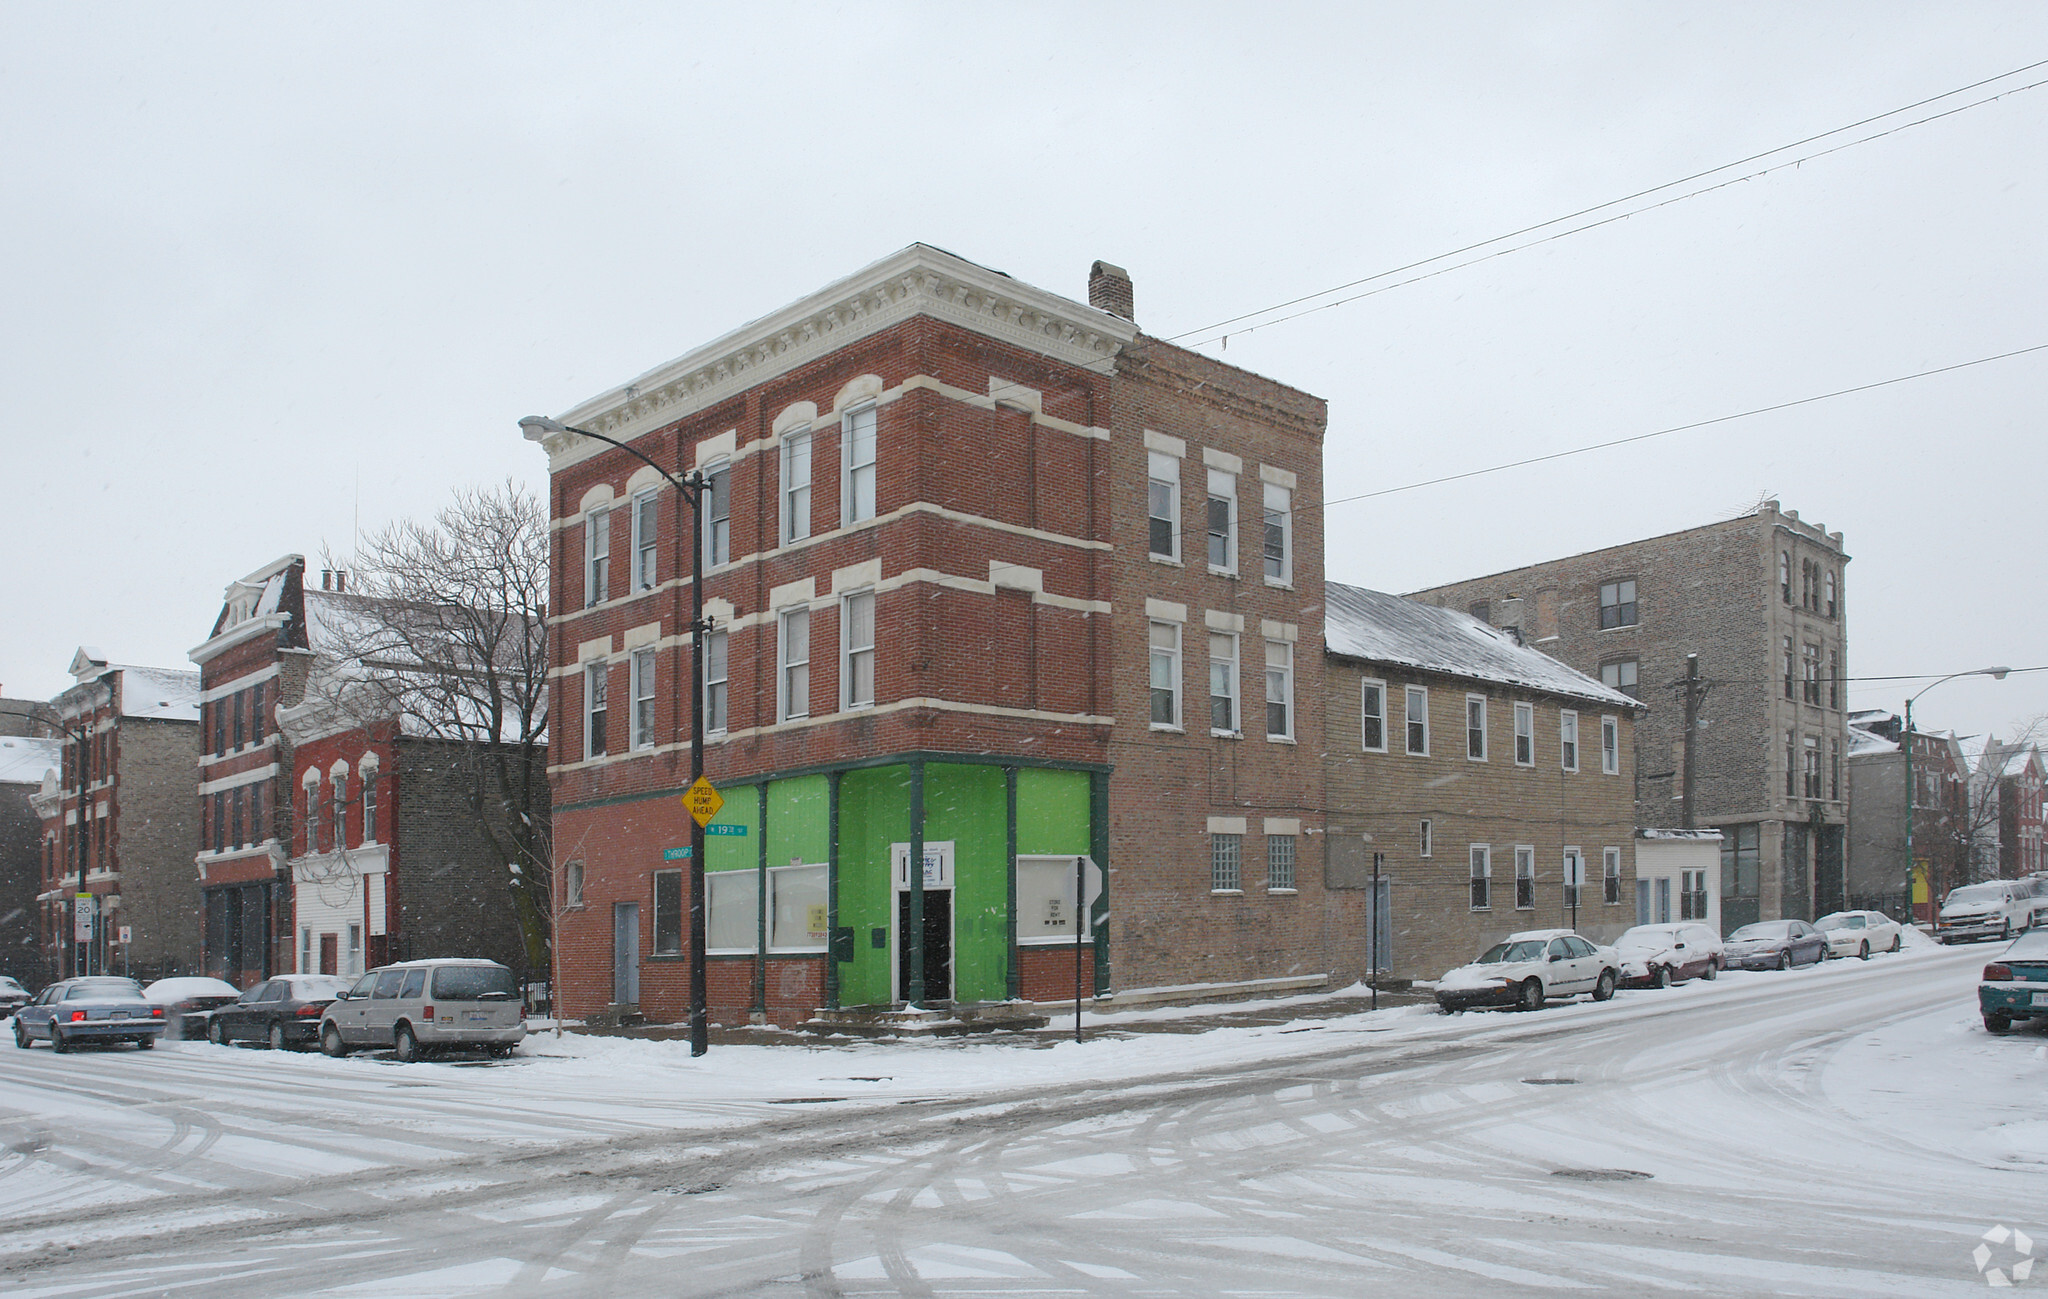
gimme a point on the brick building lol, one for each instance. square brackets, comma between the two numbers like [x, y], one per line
[996, 582]
[119, 811]
[24, 762]
[1761, 600]
[1876, 775]
[2008, 790]
[313, 816]
[1489, 779]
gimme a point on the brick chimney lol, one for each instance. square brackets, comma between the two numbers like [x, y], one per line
[1109, 289]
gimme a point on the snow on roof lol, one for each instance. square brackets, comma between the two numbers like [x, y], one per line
[1653, 832]
[159, 693]
[24, 759]
[1392, 629]
[1863, 743]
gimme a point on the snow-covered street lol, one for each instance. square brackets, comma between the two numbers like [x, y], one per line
[1846, 1130]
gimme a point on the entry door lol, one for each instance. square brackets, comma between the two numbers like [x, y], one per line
[1642, 902]
[1664, 900]
[938, 945]
[626, 953]
[330, 953]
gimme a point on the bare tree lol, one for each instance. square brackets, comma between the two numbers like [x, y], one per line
[447, 636]
[1979, 830]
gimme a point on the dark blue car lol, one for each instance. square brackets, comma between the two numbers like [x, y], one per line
[2015, 986]
[101, 1009]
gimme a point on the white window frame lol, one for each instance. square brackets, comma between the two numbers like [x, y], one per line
[1278, 501]
[1610, 877]
[572, 883]
[1426, 840]
[1367, 687]
[857, 474]
[1162, 470]
[369, 778]
[643, 672]
[1525, 874]
[1525, 735]
[1218, 840]
[1573, 855]
[596, 691]
[717, 527]
[1223, 671]
[1292, 846]
[717, 659]
[1475, 727]
[1409, 696]
[1610, 745]
[778, 876]
[1222, 487]
[1568, 738]
[1480, 857]
[1280, 682]
[792, 675]
[597, 556]
[1154, 654]
[851, 653]
[646, 531]
[795, 496]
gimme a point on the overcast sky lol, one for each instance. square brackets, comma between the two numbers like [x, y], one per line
[274, 271]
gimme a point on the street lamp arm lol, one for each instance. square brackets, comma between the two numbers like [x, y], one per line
[1996, 674]
[536, 427]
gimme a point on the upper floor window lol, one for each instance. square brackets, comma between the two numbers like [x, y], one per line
[1828, 596]
[1162, 504]
[1222, 522]
[1834, 678]
[714, 682]
[1620, 675]
[644, 529]
[369, 804]
[1568, 738]
[1165, 673]
[1372, 716]
[338, 785]
[858, 429]
[1618, 603]
[716, 502]
[796, 486]
[1785, 653]
[597, 556]
[643, 698]
[1610, 745]
[794, 659]
[1785, 576]
[312, 787]
[1223, 682]
[857, 648]
[240, 734]
[1809, 672]
[594, 684]
[1482, 876]
[1525, 735]
[1279, 538]
[256, 713]
[1279, 690]
[1417, 717]
[1475, 727]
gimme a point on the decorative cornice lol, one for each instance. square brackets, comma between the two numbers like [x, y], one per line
[918, 281]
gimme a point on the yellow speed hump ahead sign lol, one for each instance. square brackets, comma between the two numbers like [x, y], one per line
[703, 801]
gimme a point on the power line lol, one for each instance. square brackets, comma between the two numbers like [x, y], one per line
[1628, 198]
[1678, 428]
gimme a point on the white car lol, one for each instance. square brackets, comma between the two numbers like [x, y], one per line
[1859, 933]
[1528, 969]
[1995, 909]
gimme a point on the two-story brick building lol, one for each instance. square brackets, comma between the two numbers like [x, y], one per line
[119, 813]
[1760, 599]
[997, 582]
[1494, 784]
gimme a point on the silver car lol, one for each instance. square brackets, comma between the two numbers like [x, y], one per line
[417, 1007]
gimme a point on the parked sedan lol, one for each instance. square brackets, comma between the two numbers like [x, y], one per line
[2015, 985]
[1859, 933]
[12, 996]
[1776, 945]
[1656, 956]
[1529, 968]
[75, 1011]
[284, 1011]
[190, 1000]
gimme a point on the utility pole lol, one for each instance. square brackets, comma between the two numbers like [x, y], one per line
[1695, 690]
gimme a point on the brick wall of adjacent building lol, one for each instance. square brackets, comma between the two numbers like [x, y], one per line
[450, 892]
[21, 878]
[156, 831]
[1378, 802]
[1711, 591]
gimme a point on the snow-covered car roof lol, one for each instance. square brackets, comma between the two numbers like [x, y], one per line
[437, 960]
[180, 987]
[100, 987]
[1546, 933]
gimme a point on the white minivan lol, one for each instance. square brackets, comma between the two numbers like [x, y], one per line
[1994, 909]
[415, 1007]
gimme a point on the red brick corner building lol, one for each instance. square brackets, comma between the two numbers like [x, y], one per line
[998, 582]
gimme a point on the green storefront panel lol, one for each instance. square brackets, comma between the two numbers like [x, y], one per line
[874, 812]
[1052, 812]
[967, 806]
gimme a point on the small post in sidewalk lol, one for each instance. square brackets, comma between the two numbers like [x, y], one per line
[1372, 935]
[1080, 901]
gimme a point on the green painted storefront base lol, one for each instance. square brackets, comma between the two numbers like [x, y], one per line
[857, 823]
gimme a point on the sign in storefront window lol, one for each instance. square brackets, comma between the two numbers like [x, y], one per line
[796, 897]
[731, 921]
[1045, 899]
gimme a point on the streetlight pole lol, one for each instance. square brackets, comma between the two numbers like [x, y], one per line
[692, 486]
[1906, 737]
